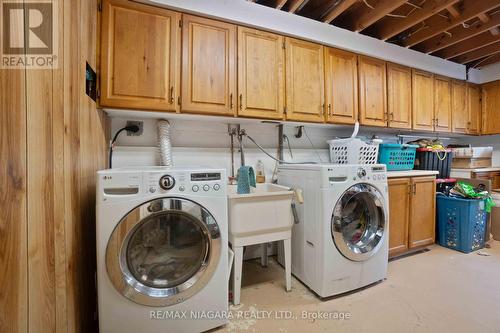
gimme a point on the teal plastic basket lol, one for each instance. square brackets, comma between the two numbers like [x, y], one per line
[397, 156]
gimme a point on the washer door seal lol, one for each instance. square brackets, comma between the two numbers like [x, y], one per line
[358, 222]
[163, 251]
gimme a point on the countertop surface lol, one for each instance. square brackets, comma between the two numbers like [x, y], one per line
[411, 173]
[477, 169]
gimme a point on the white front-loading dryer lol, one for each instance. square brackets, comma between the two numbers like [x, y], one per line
[161, 250]
[340, 243]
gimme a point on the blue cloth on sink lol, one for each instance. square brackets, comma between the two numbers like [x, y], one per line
[246, 178]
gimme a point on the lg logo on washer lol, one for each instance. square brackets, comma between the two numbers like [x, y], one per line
[29, 34]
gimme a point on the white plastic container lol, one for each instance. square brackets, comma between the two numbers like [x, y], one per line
[265, 210]
[353, 151]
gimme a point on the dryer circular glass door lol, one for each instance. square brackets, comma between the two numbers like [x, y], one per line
[163, 252]
[358, 222]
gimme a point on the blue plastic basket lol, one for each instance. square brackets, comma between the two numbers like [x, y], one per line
[397, 156]
[461, 223]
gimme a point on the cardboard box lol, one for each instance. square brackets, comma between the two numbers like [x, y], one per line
[473, 152]
[470, 163]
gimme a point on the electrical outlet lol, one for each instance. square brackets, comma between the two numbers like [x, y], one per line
[138, 123]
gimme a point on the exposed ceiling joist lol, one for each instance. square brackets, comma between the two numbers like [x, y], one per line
[279, 3]
[437, 24]
[296, 5]
[371, 15]
[453, 11]
[340, 7]
[468, 45]
[487, 61]
[390, 27]
[478, 54]
[458, 34]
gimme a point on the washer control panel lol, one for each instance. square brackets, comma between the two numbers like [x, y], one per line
[201, 183]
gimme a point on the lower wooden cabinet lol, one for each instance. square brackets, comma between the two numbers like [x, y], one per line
[412, 213]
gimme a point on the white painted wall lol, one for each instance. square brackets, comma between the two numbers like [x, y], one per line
[486, 74]
[251, 14]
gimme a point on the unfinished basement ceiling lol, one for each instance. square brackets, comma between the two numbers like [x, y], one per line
[463, 31]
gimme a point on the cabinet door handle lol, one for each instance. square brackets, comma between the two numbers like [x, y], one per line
[392, 115]
[171, 95]
[409, 189]
[241, 102]
[231, 101]
[329, 109]
[414, 189]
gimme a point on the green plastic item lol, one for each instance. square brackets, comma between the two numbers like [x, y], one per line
[468, 191]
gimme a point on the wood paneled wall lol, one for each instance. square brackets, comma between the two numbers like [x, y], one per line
[53, 139]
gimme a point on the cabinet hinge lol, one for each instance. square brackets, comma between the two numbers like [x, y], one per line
[284, 110]
[284, 45]
[99, 6]
[98, 94]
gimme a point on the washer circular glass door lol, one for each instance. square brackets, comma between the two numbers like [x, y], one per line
[358, 222]
[163, 251]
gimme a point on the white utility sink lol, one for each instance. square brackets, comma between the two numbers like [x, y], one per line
[267, 209]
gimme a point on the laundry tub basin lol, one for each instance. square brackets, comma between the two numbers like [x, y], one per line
[267, 209]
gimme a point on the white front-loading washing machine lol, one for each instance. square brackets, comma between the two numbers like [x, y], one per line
[340, 242]
[161, 250]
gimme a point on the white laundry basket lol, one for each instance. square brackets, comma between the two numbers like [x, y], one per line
[353, 151]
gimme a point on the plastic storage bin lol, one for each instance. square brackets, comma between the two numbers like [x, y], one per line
[353, 151]
[397, 156]
[461, 223]
[429, 159]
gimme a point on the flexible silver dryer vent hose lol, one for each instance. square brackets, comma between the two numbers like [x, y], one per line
[164, 143]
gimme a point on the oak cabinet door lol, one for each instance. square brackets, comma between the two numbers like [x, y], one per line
[140, 63]
[422, 212]
[399, 215]
[304, 81]
[372, 92]
[208, 66]
[474, 109]
[261, 75]
[442, 104]
[399, 96]
[341, 86]
[491, 107]
[460, 117]
[422, 101]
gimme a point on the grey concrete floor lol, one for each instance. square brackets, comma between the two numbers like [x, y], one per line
[436, 291]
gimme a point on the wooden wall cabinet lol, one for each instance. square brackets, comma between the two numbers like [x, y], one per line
[412, 204]
[474, 109]
[460, 116]
[208, 66]
[304, 81]
[341, 86]
[423, 101]
[442, 104]
[372, 91]
[261, 74]
[491, 107]
[140, 63]
[399, 92]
